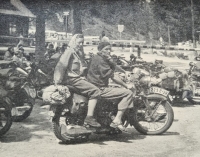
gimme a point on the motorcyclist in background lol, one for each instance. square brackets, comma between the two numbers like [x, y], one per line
[9, 53]
[49, 52]
[21, 61]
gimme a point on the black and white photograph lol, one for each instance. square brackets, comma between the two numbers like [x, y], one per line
[99, 78]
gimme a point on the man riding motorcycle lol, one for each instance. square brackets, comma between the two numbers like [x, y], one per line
[101, 69]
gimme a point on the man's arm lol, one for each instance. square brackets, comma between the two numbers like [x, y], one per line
[61, 67]
[105, 72]
[118, 80]
[118, 68]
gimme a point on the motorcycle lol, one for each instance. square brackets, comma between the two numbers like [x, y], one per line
[181, 85]
[178, 82]
[5, 112]
[125, 64]
[152, 113]
[21, 92]
[152, 104]
[194, 78]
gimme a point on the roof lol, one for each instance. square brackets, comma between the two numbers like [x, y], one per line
[15, 7]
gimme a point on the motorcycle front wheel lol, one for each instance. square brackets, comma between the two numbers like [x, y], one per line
[5, 118]
[155, 121]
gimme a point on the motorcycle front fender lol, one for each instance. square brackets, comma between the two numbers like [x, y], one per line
[157, 96]
[31, 91]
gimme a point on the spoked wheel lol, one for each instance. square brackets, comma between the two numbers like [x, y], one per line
[5, 118]
[25, 107]
[63, 122]
[155, 121]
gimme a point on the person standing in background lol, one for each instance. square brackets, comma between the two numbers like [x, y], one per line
[103, 37]
[9, 54]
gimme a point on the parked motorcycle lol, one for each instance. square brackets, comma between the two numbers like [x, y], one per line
[5, 112]
[21, 92]
[194, 78]
[152, 104]
[177, 82]
[125, 64]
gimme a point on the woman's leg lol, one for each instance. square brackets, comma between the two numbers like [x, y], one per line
[91, 106]
[92, 92]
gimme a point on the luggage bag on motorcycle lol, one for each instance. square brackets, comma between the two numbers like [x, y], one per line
[55, 95]
[169, 81]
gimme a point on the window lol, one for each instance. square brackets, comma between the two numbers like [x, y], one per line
[12, 29]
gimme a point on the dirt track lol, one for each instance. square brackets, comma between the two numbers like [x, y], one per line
[34, 137]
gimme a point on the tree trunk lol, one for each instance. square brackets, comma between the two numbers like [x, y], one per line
[76, 17]
[193, 30]
[40, 37]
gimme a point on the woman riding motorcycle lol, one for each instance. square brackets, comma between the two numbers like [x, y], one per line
[69, 71]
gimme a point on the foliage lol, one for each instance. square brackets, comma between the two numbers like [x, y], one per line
[143, 19]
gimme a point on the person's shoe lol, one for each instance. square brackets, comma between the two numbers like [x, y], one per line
[92, 122]
[119, 126]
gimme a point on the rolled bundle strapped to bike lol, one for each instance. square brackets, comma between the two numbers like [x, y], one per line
[55, 96]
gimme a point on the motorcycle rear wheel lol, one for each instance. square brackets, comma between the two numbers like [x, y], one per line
[62, 117]
[5, 118]
[144, 126]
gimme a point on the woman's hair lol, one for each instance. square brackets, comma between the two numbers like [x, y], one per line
[72, 42]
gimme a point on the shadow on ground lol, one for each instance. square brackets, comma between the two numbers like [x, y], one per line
[37, 125]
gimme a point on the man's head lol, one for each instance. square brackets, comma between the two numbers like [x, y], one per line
[51, 46]
[104, 48]
[102, 45]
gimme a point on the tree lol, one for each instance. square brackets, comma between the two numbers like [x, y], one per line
[76, 16]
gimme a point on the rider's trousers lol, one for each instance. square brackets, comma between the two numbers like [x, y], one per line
[124, 96]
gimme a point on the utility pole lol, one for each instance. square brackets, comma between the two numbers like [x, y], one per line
[169, 40]
[193, 31]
